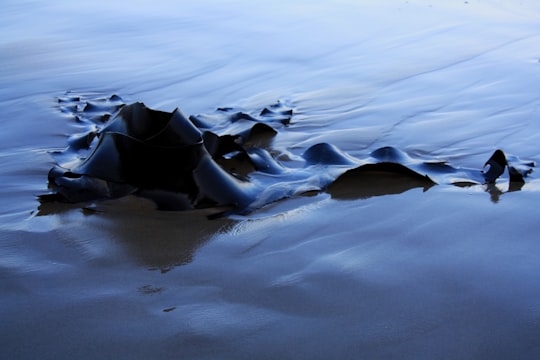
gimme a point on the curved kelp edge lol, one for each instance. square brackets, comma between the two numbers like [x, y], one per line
[226, 161]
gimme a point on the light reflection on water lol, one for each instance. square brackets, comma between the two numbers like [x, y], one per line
[445, 273]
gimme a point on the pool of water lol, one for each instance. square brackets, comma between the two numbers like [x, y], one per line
[445, 273]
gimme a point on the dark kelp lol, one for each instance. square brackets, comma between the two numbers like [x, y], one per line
[182, 163]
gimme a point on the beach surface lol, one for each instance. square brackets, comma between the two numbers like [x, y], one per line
[444, 273]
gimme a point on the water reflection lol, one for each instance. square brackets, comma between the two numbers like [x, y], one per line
[155, 239]
[375, 180]
[364, 184]
[495, 192]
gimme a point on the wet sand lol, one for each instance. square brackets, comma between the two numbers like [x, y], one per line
[449, 272]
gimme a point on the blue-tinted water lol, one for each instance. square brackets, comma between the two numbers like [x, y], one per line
[443, 274]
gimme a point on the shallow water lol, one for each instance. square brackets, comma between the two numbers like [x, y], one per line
[446, 273]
